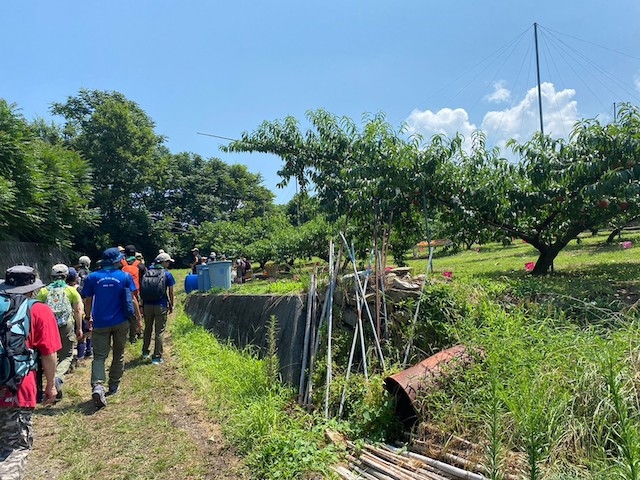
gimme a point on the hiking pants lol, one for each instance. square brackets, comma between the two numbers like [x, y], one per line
[65, 354]
[155, 319]
[103, 339]
[16, 440]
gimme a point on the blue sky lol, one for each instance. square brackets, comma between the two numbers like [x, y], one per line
[224, 67]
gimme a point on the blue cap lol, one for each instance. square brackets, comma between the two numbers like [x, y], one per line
[73, 274]
[111, 256]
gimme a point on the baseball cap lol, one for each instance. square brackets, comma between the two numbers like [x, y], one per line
[73, 274]
[60, 270]
[20, 279]
[164, 257]
[130, 250]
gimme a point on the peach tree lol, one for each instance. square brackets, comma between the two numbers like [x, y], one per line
[555, 191]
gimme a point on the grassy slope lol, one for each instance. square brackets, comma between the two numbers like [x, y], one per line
[164, 426]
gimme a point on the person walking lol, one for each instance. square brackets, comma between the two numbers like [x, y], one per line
[107, 306]
[17, 404]
[156, 291]
[84, 269]
[136, 268]
[66, 304]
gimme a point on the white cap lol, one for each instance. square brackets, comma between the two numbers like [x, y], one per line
[164, 257]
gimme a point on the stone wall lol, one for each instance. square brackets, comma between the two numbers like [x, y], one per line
[243, 320]
[32, 254]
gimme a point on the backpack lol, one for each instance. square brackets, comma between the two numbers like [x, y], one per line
[134, 270]
[16, 359]
[59, 303]
[153, 286]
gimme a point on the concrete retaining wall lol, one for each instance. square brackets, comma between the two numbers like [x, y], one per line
[32, 254]
[243, 320]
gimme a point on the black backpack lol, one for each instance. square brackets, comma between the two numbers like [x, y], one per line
[16, 359]
[153, 286]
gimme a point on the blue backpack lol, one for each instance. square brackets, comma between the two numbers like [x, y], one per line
[16, 359]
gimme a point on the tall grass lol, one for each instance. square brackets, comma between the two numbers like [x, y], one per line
[259, 415]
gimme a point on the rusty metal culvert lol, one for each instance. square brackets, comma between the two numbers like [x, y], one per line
[406, 385]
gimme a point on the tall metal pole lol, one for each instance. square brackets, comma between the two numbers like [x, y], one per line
[535, 33]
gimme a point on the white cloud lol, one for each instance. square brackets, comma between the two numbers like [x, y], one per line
[636, 82]
[445, 121]
[500, 93]
[521, 121]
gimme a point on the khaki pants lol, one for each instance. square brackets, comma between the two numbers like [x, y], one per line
[103, 339]
[155, 320]
[65, 354]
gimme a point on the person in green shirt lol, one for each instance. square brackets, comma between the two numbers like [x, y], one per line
[66, 304]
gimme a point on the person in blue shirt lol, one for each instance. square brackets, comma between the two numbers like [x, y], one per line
[156, 291]
[108, 298]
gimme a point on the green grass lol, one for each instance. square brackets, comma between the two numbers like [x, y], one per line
[259, 415]
[555, 378]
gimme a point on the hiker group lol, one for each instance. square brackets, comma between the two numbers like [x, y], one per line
[81, 314]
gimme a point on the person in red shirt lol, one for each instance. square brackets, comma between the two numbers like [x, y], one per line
[16, 408]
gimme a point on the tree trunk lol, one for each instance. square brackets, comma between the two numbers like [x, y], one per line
[544, 262]
[612, 235]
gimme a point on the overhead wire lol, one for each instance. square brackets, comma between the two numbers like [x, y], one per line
[613, 79]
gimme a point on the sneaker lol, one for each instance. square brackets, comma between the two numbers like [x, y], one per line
[99, 398]
[113, 389]
[157, 361]
[58, 382]
[146, 357]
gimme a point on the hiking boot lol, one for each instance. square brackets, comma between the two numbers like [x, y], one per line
[157, 361]
[58, 382]
[113, 389]
[99, 398]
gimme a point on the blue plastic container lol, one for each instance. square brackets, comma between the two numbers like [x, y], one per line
[204, 279]
[220, 273]
[191, 282]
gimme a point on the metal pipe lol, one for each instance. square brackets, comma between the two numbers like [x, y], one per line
[306, 346]
[445, 467]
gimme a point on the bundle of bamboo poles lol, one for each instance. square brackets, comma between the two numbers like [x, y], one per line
[390, 463]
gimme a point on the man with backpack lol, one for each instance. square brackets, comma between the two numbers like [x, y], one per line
[136, 268]
[33, 333]
[156, 291]
[66, 305]
[108, 304]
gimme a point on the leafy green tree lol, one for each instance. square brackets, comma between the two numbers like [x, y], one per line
[557, 190]
[361, 176]
[117, 138]
[44, 187]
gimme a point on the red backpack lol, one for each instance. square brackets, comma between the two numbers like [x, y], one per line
[134, 270]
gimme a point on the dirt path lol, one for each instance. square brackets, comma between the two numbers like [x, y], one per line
[154, 428]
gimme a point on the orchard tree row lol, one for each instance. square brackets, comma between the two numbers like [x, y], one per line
[385, 187]
[103, 177]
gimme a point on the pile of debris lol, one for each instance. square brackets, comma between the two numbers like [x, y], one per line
[391, 463]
